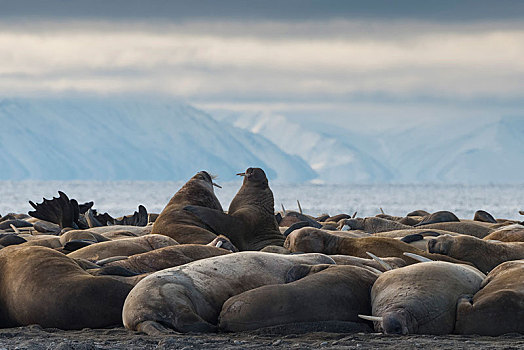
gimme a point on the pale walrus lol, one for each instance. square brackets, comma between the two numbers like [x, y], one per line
[42, 286]
[188, 298]
[180, 224]
[498, 307]
[250, 223]
[421, 298]
[337, 293]
[483, 254]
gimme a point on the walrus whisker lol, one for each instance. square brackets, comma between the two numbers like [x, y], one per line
[299, 207]
[417, 257]
[382, 263]
[354, 215]
[371, 318]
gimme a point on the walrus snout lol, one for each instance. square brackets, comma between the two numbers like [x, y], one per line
[394, 323]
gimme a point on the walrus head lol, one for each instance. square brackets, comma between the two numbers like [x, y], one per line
[394, 322]
[204, 176]
[255, 176]
[440, 245]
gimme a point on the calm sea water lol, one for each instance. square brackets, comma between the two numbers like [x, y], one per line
[122, 197]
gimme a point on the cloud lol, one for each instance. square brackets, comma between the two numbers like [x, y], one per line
[275, 61]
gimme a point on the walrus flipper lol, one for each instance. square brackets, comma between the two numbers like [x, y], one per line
[59, 211]
[139, 218]
[218, 221]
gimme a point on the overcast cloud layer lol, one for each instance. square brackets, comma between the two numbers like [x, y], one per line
[313, 54]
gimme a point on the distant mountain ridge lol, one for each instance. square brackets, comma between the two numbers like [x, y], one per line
[130, 139]
[469, 150]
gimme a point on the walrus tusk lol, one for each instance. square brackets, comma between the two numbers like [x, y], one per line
[217, 185]
[382, 263]
[219, 244]
[299, 207]
[283, 209]
[382, 211]
[417, 257]
[354, 214]
[371, 318]
[17, 231]
[241, 174]
[372, 269]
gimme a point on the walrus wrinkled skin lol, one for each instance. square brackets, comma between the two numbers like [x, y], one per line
[42, 286]
[498, 307]
[422, 298]
[188, 298]
[167, 257]
[122, 247]
[180, 224]
[483, 254]
[250, 223]
[307, 240]
[337, 293]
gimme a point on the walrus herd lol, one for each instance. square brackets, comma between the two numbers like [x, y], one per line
[197, 268]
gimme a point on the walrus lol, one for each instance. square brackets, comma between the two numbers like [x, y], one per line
[421, 298]
[439, 216]
[163, 258]
[307, 240]
[375, 224]
[484, 216]
[337, 293]
[122, 247]
[483, 254]
[498, 307]
[188, 298]
[250, 223]
[182, 225]
[510, 233]
[42, 286]
[475, 229]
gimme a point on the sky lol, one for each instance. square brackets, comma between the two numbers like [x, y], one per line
[398, 60]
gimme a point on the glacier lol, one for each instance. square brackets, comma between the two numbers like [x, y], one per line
[122, 138]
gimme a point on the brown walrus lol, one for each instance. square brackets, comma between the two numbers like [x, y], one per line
[182, 225]
[166, 257]
[337, 293]
[42, 286]
[250, 223]
[485, 255]
[309, 240]
[498, 307]
[122, 247]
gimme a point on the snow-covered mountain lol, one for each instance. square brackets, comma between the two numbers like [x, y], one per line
[135, 139]
[331, 156]
[467, 150]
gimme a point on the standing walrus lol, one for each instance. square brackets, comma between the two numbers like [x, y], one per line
[250, 223]
[180, 224]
